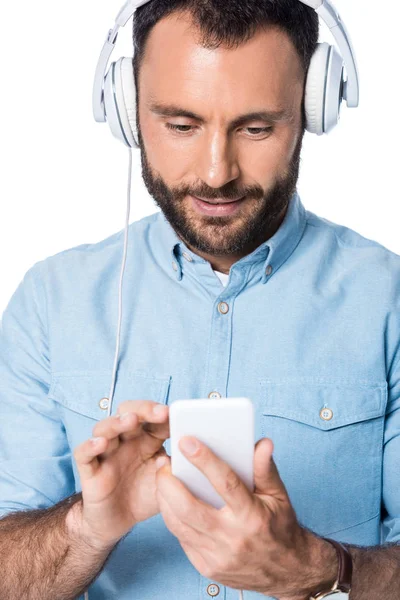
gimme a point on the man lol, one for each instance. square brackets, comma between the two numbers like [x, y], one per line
[257, 297]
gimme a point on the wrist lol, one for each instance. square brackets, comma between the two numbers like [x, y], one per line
[322, 568]
[328, 565]
[79, 532]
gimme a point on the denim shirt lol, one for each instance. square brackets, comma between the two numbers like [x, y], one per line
[311, 337]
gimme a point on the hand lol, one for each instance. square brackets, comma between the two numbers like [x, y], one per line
[118, 472]
[255, 541]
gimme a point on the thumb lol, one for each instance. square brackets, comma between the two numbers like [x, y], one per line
[162, 461]
[266, 476]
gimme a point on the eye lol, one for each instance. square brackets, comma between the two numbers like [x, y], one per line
[258, 130]
[177, 127]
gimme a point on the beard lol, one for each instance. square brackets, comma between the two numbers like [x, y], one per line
[241, 233]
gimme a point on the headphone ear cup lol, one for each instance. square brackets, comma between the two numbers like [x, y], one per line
[324, 90]
[120, 102]
[334, 90]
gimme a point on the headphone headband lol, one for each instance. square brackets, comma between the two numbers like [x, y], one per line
[324, 8]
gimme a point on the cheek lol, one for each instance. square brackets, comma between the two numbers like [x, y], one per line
[265, 161]
[172, 159]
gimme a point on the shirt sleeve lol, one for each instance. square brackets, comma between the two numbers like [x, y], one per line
[35, 459]
[391, 460]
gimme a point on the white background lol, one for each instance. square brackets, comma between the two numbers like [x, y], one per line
[64, 177]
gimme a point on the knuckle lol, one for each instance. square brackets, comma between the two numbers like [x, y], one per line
[206, 519]
[112, 445]
[106, 427]
[241, 546]
[81, 452]
[185, 535]
[209, 572]
[98, 429]
[142, 408]
[232, 482]
[223, 565]
[186, 511]
[261, 527]
[126, 406]
[257, 521]
[215, 569]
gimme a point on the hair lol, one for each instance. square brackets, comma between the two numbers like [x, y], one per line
[230, 23]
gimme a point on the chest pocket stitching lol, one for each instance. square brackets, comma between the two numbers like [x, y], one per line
[81, 392]
[350, 401]
[343, 529]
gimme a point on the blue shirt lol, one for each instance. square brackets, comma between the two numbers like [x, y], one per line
[312, 337]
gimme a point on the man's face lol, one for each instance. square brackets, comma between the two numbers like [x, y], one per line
[208, 155]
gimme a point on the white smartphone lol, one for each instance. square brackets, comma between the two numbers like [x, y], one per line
[226, 426]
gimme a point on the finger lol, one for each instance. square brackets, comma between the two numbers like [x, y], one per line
[171, 520]
[182, 504]
[86, 456]
[152, 416]
[186, 534]
[266, 475]
[221, 476]
[127, 425]
[112, 428]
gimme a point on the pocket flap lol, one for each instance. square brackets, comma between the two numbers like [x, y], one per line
[302, 399]
[82, 391]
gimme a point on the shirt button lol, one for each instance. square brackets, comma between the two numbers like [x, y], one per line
[214, 395]
[223, 308]
[187, 256]
[104, 403]
[213, 589]
[174, 266]
[326, 414]
[268, 270]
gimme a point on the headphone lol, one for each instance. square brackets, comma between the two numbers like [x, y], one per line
[114, 93]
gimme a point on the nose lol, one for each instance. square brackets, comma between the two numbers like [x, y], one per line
[217, 162]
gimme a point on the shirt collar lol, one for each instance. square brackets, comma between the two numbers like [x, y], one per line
[272, 253]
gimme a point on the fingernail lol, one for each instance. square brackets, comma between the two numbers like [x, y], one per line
[123, 416]
[189, 446]
[158, 409]
[160, 462]
[96, 440]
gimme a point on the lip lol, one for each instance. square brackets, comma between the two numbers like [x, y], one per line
[218, 200]
[216, 210]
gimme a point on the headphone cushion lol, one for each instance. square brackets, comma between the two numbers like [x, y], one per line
[314, 101]
[120, 100]
[334, 90]
[129, 95]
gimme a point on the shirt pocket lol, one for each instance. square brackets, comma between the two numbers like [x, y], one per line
[328, 446]
[82, 397]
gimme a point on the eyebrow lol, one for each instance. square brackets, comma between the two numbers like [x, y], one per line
[172, 110]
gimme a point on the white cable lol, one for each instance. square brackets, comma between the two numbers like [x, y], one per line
[111, 394]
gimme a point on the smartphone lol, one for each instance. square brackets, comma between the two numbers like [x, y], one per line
[226, 426]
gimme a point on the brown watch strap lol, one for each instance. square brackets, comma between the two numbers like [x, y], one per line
[345, 566]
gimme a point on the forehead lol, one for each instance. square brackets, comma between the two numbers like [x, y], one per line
[176, 66]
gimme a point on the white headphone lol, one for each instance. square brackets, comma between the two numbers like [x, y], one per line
[114, 94]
